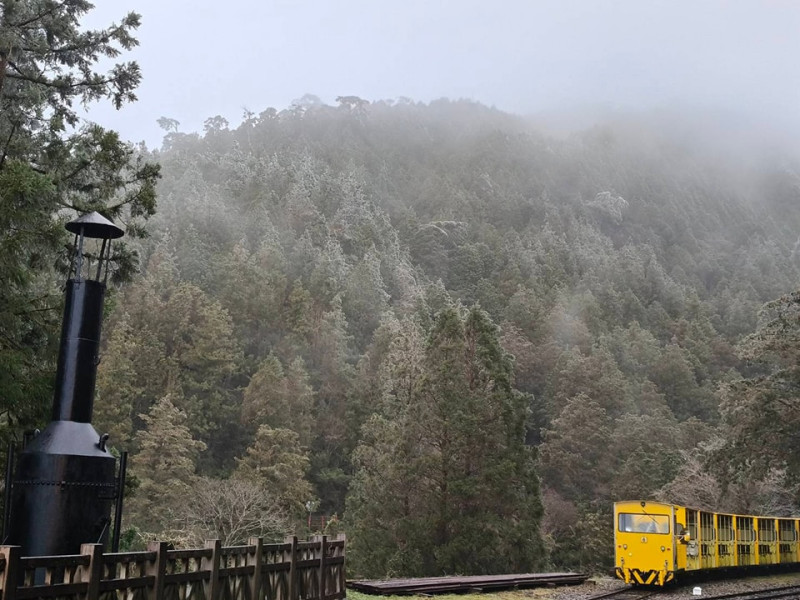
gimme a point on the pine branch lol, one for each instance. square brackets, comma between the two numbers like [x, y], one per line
[5, 146]
[34, 18]
[59, 85]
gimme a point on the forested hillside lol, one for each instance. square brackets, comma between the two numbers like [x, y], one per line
[462, 336]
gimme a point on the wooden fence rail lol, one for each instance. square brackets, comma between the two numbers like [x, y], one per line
[293, 570]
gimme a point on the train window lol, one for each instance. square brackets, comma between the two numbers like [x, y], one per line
[643, 523]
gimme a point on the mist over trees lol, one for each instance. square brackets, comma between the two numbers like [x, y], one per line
[467, 337]
[463, 337]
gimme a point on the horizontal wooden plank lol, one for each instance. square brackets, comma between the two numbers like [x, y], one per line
[275, 567]
[237, 550]
[70, 560]
[276, 560]
[197, 553]
[335, 543]
[236, 571]
[128, 557]
[307, 546]
[175, 578]
[50, 591]
[109, 585]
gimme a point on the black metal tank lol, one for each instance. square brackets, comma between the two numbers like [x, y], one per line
[64, 485]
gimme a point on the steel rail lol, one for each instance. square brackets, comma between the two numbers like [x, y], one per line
[629, 593]
[789, 591]
[433, 585]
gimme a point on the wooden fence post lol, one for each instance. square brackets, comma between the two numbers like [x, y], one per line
[92, 574]
[157, 569]
[293, 592]
[10, 576]
[212, 566]
[342, 574]
[323, 549]
[255, 560]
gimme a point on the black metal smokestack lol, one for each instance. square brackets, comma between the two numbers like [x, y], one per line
[64, 486]
[80, 341]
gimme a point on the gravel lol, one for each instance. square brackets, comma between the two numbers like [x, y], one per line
[679, 592]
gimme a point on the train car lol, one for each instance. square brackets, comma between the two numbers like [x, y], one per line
[657, 543]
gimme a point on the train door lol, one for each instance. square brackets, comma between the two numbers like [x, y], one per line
[693, 547]
[787, 541]
[680, 538]
[767, 542]
[726, 541]
[708, 548]
[746, 554]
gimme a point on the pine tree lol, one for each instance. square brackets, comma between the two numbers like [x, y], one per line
[51, 165]
[365, 298]
[173, 338]
[329, 354]
[451, 464]
[761, 413]
[204, 359]
[575, 449]
[130, 376]
[282, 399]
[164, 466]
[278, 463]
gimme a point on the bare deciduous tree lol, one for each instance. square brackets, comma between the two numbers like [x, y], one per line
[231, 510]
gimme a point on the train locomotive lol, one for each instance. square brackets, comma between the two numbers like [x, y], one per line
[657, 543]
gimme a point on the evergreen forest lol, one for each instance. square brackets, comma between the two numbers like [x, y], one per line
[455, 333]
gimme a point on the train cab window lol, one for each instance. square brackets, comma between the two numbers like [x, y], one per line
[643, 523]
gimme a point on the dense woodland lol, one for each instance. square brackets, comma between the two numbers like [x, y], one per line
[459, 334]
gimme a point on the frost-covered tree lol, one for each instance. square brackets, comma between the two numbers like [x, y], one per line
[448, 462]
[52, 164]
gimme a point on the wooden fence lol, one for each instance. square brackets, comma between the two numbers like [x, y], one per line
[312, 570]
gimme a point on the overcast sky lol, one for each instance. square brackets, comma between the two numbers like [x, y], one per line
[202, 58]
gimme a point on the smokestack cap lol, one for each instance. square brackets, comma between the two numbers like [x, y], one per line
[95, 225]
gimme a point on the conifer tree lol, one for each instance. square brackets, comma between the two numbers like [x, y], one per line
[165, 466]
[280, 398]
[573, 453]
[277, 462]
[330, 466]
[52, 165]
[452, 464]
[761, 413]
[129, 378]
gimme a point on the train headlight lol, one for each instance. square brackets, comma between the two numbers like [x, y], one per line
[663, 548]
[624, 546]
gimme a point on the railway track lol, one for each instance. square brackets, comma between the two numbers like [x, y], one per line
[629, 593]
[633, 593]
[479, 583]
[789, 591]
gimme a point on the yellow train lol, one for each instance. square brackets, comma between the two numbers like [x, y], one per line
[655, 543]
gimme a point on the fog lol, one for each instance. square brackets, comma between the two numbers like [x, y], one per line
[545, 58]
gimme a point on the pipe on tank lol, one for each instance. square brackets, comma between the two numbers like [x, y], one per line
[78, 356]
[123, 464]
